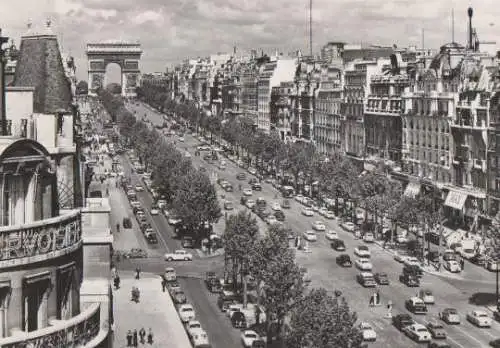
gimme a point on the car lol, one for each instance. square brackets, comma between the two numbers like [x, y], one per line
[186, 312]
[252, 171]
[348, 226]
[495, 343]
[343, 260]
[319, 226]
[151, 237]
[436, 329]
[250, 203]
[467, 253]
[247, 192]
[338, 245]
[310, 236]
[409, 280]
[179, 297]
[330, 215]
[491, 265]
[260, 343]
[367, 331]
[127, 223]
[136, 253]
[366, 279]
[241, 176]
[173, 286]
[299, 198]
[179, 255]
[138, 188]
[450, 316]
[276, 206]
[426, 296]
[204, 147]
[154, 210]
[363, 264]
[401, 255]
[452, 266]
[248, 337]
[368, 237]
[271, 219]
[173, 220]
[479, 318]
[170, 275]
[233, 308]
[478, 259]
[285, 204]
[228, 205]
[187, 242]
[418, 333]
[279, 215]
[362, 251]
[257, 187]
[162, 203]
[200, 339]
[416, 305]
[193, 326]
[331, 235]
[238, 320]
[307, 211]
[382, 278]
[401, 321]
[411, 261]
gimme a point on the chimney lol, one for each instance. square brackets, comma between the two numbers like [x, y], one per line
[470, 13]
[3, 109]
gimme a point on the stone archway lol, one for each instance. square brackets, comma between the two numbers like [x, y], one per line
[127, 55]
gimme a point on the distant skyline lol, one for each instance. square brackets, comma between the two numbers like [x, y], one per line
[172, 30]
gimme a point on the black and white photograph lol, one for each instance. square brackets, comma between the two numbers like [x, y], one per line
[249, 174]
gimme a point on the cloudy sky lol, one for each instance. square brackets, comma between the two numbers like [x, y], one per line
[171, 30]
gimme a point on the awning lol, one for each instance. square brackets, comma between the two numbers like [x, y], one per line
[412, 189]
[38, 277]
[455, 199]
[4, 283]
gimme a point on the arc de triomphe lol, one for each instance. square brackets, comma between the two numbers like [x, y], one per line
[126, 54]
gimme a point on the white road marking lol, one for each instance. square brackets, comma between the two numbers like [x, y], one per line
[468, 335]
[454, 341]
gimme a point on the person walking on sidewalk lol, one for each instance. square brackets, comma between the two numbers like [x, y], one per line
[163, 283]
[129, 338]
[135, 344]
[142, 335]
[137, 273]
[150, 336]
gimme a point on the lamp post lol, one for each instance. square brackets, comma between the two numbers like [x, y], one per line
[496, 285]
[3, 111]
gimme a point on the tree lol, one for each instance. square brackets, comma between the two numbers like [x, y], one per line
[195, 202]
[240, 236]
[320, 320]
[82, 88]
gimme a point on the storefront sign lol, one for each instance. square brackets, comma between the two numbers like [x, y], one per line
[37, 240]
[76, 335]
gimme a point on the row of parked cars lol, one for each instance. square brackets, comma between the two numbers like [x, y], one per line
[140, 215]
[197, 335]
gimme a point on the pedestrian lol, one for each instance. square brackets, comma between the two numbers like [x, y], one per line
[163, 283]
[135, 338]
[142, 335]
[117, 282]
[150, 336]
[118, 228]
[129, 338]
[137, 273]
[462, 264]
[377, 298]
[371, 301]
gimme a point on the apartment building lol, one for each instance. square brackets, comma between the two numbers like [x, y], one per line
[280, 109]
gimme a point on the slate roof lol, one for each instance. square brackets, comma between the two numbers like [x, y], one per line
[40, 66]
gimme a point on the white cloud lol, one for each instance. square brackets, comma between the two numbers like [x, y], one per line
[155, 17]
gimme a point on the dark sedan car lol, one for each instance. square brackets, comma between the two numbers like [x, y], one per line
[127, 223]
[382, 278]
[344, 260]
[401, 321]
[280, 216]
[478, 259]
[238, 320]
[338, 245]
[179, 297]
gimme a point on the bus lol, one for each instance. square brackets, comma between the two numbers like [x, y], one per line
[287, 191]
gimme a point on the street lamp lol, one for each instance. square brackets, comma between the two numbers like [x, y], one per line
[496, 285]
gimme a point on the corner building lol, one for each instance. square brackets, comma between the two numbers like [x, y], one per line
[49, 296]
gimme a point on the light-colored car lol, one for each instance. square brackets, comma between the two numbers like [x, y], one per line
[306, 211]
[368, 332]
[362, 251]
[154, 211]
[179, 255]
[200, 339]
[452, 266]
[468, 253]
[248, 337]
[170, 274]
[310, 236]
[252, 171]
[348, 226]
[232, 309]
[450, 316]
[330, 215]
[363, 265]
[401, 255]
[247, 192]
[299, 198]
[322, 211]
[418, 333]
[411, 261]
[186, 313]
[161, 203]
[271, 219]
[173, 220]
[426, 296]
[331, 235]
[139, 188]
[479, 318]
[276, 206]
[368, 237]
[250, 203]
[319, 226]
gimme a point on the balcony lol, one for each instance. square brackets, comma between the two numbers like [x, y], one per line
[67, 333]
[40, 240]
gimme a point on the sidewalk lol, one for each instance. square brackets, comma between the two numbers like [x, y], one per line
[155, 310]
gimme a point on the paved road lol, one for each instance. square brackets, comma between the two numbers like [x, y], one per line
[323, 271]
